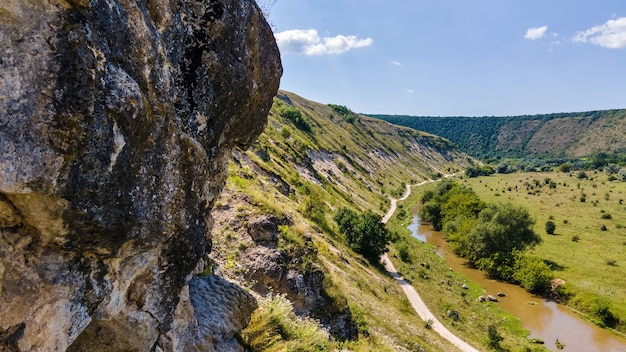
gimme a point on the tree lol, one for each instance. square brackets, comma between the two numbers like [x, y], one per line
[347, 220]
[565, 167]
[372, 236]
[532, 273]
[550, 227]
[365, 233]
[499, 228]
[431, 212]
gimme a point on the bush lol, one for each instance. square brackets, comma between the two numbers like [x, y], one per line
[475, 171]
[565, 167]
[494, 337]
[344, 111]
[365, 233]
[532, 273]
[550, 227]
[294, 115]
[403, 252]
[606, 216]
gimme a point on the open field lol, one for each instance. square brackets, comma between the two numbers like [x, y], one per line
[588, 248]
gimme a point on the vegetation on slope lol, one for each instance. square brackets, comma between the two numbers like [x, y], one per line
[305, 167]
[538, 136]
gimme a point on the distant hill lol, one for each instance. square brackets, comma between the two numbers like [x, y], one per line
[561, 135]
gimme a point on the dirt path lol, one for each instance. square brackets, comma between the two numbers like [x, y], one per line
[416, 301]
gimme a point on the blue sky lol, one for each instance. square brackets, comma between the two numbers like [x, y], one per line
[454, 57]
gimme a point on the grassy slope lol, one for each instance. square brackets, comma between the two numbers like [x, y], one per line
[583, 264]
[337, 164]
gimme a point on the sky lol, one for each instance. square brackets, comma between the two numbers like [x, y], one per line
[454, 57]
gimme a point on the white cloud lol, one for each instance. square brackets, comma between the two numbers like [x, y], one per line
[611, 34]
[309, 43]
[410, 91]
[536, 33]
[396, 63]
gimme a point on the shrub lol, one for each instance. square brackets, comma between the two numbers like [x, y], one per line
[494, 337]
[565, 167]
[575, 238]
[365, 233]
[403, 251]
[315, 208]
[603, 228]
[286, 132]
[550, 227]
[475, 171]
[344, 111]
[294, 115]
[532, 273]
[606, 216]
[275, 327]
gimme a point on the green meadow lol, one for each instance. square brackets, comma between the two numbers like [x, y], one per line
[588, 247]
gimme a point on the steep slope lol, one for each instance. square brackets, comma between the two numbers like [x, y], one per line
[570, 135]
[274, 231]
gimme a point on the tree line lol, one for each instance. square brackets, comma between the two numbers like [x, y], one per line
[478, 136]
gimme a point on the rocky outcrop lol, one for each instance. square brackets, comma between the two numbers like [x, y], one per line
[264, 228]
[117, 119]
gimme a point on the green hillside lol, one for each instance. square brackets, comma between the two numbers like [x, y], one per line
[274, 233]
[561, 135]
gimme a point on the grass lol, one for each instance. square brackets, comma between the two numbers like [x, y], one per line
[588, 248]
[275, 327]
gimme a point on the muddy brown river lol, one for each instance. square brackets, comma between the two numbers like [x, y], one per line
[545, 319]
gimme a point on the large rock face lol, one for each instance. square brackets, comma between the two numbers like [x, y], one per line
[117, 119]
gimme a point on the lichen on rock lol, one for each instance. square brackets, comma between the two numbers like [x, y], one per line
[117, 119]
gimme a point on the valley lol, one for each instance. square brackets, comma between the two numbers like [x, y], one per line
[313, 159]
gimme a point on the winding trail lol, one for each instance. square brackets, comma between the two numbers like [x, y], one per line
[416, 301]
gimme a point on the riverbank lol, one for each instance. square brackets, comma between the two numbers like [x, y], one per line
[414, 298]
[444, 290]
[547, 320]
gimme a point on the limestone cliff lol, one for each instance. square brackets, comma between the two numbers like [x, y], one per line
[117, 119]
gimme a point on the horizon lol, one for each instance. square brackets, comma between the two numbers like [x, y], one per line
[444, 59]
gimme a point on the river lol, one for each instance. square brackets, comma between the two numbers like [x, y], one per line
[545, 319]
